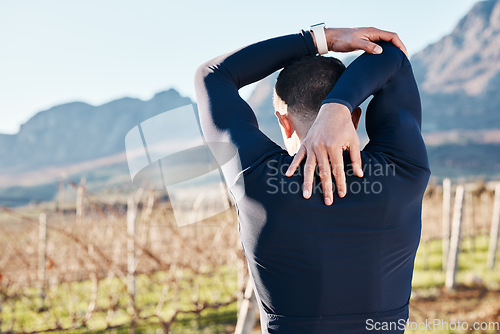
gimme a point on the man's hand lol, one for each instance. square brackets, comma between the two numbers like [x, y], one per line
[331, 133]
[352, 39]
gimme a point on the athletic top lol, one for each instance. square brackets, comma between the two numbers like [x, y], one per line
[344, 268]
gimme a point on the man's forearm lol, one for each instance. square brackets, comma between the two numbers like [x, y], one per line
[256, 61]
[352, 88]
[351, 39]
[224, 115]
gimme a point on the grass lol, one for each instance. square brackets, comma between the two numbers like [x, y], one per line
[471, 263]
[69, 299]
[429, 278]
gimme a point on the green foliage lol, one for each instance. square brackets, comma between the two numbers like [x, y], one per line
[471, 261]
[68, 299]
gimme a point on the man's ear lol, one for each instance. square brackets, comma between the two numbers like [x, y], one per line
[285, 123]
[356, 115]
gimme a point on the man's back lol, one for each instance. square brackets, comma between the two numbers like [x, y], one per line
[317, 268]
[355, 256]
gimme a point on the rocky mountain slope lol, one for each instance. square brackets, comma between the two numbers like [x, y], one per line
[77, 132]
[459, 76]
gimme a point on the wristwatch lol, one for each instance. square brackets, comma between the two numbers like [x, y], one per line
[319, 34]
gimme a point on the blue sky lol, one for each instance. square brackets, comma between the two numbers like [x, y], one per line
[54, 52]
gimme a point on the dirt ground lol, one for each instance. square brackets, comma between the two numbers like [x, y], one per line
[466, 303]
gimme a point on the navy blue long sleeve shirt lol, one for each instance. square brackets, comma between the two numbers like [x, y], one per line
[343, 268]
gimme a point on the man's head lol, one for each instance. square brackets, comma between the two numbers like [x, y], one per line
[300, 89]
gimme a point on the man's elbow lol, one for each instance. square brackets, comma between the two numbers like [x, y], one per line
[202, 72]
[392, 52]
[213, 68]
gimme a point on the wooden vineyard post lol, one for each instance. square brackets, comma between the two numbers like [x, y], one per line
[446, 220]
[469, 208]
[451, 267]
[247, 315]
[131, 233]
[80, 192]
[495, 226]
[42, 254]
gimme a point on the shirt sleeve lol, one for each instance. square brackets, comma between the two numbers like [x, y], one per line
[224, 116]
[393, 117]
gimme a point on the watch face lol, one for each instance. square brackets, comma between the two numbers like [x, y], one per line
[318, 25]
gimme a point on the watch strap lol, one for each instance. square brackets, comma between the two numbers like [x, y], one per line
[319, 35]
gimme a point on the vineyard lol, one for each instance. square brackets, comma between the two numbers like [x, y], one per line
[122, 265]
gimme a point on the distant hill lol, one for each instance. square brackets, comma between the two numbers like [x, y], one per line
[77, 131]
[74, 140]
[459, 76]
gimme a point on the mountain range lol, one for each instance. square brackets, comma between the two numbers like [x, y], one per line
[458, 77]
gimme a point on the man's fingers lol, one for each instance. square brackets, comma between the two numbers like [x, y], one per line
[388, 36]
[338, 170]
[397, 41]
[325, 175]
[369, 47]
[309, 169]
[296, 161]
[354, 151]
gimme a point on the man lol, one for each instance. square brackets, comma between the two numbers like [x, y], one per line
[342, 268]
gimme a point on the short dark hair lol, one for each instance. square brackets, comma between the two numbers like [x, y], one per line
[304, 84]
